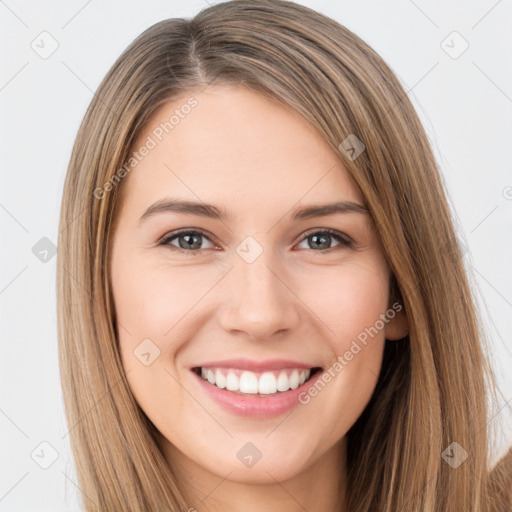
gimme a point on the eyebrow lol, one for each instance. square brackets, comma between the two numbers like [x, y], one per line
[211, 211]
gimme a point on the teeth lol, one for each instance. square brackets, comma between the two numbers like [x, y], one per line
[245, 382]
[220, 380]
[267, 384]
[294, 379]
[232, 382]
[283, 384]
[248, 383]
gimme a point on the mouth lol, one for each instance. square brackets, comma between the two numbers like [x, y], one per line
[263, 384]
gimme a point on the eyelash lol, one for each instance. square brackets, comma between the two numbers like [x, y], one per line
[342, 239]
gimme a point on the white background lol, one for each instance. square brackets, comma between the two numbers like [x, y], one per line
[465, 104]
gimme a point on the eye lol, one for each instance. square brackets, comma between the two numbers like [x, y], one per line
[188, 241]
[322, 240]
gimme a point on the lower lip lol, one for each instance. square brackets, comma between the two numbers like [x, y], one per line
[253, 406]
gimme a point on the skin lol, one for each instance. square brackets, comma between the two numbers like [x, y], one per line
[258, 161]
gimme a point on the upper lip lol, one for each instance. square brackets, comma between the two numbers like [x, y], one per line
[255, 366]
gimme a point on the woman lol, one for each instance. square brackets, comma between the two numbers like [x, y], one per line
[322, 350]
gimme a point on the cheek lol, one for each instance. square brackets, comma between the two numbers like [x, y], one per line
[146, 299]
[347, 300]
[150, 303]
[156, 301]
[352, 305]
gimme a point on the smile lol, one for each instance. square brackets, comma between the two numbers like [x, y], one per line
[254, 383]
[255, 390]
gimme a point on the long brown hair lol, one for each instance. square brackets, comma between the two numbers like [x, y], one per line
[435, 384]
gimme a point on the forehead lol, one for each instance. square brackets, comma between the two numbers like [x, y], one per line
[237, 148]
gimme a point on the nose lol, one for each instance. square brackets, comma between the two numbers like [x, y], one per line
[259, 300]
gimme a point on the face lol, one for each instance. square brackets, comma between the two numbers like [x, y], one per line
[245, 332]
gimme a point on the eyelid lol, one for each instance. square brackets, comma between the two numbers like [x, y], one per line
[342, 238]
[173, 234]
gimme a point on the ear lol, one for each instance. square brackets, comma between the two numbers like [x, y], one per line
[398, 326]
